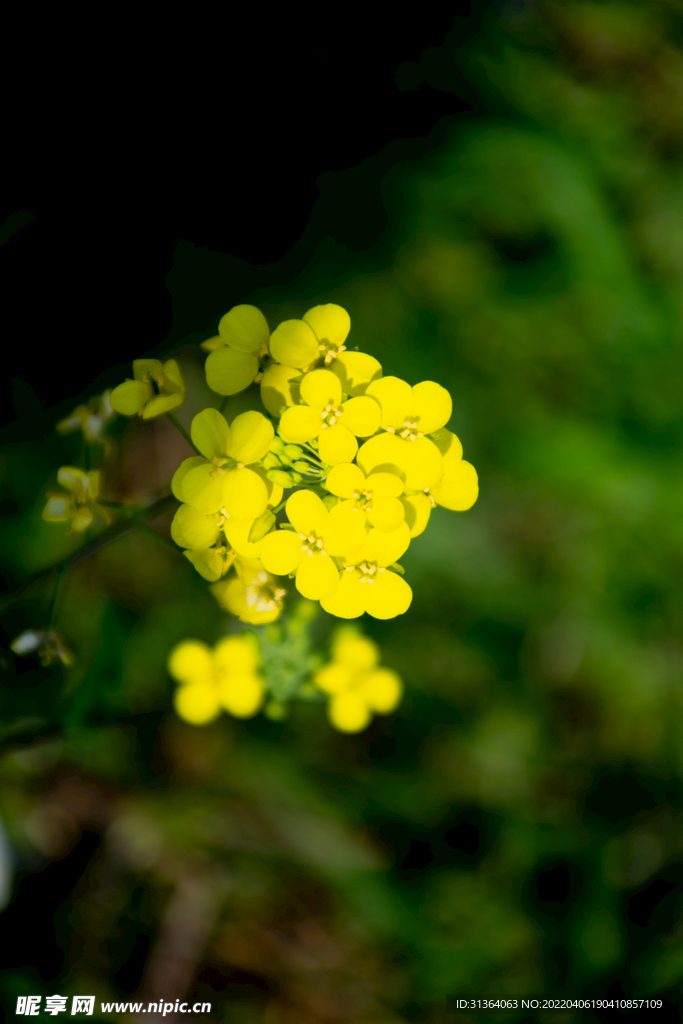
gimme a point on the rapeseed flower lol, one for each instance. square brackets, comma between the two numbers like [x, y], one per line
[233, 360]
[157, 388]
[79, 504]
[253, 595]
[325, 416]
[223, 679]
[408, 415]
[320, 335]
[90, 419]
[222, 479]
[355, 683]
[457, 489]
[374, 497]
[367, 584]
[309, 549]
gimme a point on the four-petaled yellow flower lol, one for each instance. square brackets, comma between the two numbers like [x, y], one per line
[222, 479]
[337, 424]
[375, 497]
[310, 548]
[233, 360]
[457, 489]
[320, 335]
[90, 419]
[79, 504]
[356, 685]
[223, 679]
[367, 584]
[253, 595]
[408, 416]
[157, 388]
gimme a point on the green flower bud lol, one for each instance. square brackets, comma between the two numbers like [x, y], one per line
[279, 476]
[293, 451]
[270, 461]
[275, 711]
[303, 467]
[261, 526]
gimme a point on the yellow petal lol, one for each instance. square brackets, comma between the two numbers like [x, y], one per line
[333, 678]
[197, 704]
[317, 577]
[306, 513]
[276, 389]
[348, 712]
[190, 661]
[355, 371]
[418, 509]
[94, 482]
[59, 509]
[229, 371]
[74, 479]
[244, 494]
[128, 398]
[355, 651]
[237, 533]
[384, 548]
[161, 404]
[422, 462]
[344, 479]
[321, 388]
[193, 529]
[382, 690]
[211, 563]
[299, 423]
[348, 601]
[212, 343]
[242, 695]
[362, 415]
[386, 513]
[203, 490]
[459, 487]
[281, 552]
[388, 597]
[82, 519]
[389, 485]
[331, 323]
[449, 445]
[233, 654]
[383, 454]
[395, 396]
[337, 444]
[251, 436]
[232, 595]
[294, 343]
[181, 472]
[143, 369]
[244, 328]
[210, 433]
[174, 382]
[432, 406]
[344, 530]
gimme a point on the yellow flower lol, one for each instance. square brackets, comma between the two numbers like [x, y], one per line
[408, 415]
[221, 480]
[319, 335]
[90, 419]
[225, 678]
[254, 595]
[79, 504]
[355, 371]
[356, 685]
[277, 389]
[48, 644]
[233, 360]
[156, 389]
[457, 489]
[324, 415]
[367, 585]
[308, 550]
[375, 497]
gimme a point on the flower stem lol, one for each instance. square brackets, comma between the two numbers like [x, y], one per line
[176, 423]
[159, 538]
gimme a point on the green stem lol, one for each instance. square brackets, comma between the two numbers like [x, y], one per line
[182, 430]
[148, 532]
[61, 578]
[223, 405]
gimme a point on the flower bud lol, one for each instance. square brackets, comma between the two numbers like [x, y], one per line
[261, 526]
[293, 451]
[279, 476]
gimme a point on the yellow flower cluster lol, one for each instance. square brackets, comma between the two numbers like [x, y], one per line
[78, 503]
[356, 685]
[364, 457]
[226, 678]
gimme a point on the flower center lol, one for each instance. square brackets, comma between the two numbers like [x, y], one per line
[330, 415]
[363, 501]
[312, 545]
[262, 595]
[368, 571]
[329, 350]
[431, 497]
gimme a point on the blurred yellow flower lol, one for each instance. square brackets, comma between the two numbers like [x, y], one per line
[223, 679]
[79, 504]
[90, 419]
[156, 388]
[356, 685]
[233, 360]
[253, 595]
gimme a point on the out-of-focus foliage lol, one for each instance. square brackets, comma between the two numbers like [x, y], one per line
[515, 825]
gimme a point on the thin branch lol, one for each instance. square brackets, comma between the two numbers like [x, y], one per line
[178, 425]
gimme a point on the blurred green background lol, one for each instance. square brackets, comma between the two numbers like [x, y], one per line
[515, 827]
